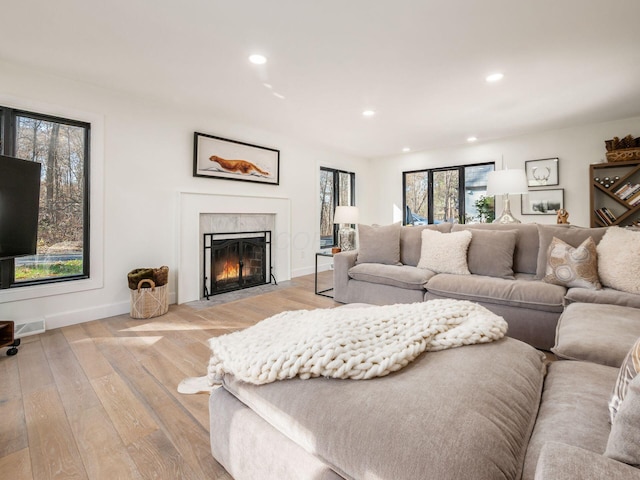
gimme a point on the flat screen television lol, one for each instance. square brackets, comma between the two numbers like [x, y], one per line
[19, 201]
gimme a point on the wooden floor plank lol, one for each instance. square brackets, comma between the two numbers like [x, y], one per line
[128, 414]
[101, 448]
[86, 351]
[98, 400]
[16, 465]
[52, 446]
[156, 457]
[75, 390]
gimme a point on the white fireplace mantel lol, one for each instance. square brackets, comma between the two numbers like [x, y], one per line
[192, 205]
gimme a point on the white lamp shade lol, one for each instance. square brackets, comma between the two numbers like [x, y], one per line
[346, 215]
[500, 182]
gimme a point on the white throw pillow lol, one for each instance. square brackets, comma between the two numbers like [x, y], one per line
[445, 252]
[619, 259]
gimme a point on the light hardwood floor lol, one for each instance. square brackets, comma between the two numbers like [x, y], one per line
[98, 400]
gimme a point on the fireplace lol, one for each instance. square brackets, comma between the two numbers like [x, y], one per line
[237, 260]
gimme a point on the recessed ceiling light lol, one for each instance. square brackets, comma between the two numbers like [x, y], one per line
[268, 85]
[494, 77]
[406, 149]
[368, 113]
[279, 95]
[472, 139]
[258, 59]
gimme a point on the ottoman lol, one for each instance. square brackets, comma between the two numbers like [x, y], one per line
[598, 333]
[462, 413]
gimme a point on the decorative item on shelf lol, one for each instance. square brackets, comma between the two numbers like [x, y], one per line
[346, 216]
[563, 217]
[335, 250]
[623, 150]
[505, 182]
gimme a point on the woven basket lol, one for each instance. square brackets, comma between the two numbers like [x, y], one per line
[623, 155]
[149, 302]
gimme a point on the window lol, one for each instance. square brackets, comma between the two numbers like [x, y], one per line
[62, 147]
[451, 194]
[337, 188]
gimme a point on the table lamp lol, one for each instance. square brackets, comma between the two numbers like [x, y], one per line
[345, 217]
[505, 182]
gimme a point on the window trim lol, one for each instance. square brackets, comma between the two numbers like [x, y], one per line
[336, 197]
[430, 171]
[95, 190]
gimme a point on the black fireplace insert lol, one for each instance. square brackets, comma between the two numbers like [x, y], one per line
[233, 261]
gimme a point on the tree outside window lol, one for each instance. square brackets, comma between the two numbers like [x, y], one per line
[451, 194]
[61, 146]
[337, 188]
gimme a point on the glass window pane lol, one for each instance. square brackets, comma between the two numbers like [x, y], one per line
[478, 206]
[446, 206]
[416, 198]
[344, 189]
[60, 148]
[326, 208]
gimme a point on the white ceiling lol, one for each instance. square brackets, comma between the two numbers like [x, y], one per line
[420, 64]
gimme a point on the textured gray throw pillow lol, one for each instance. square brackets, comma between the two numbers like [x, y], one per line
[379, 244]
[491, 252]
[624, 439]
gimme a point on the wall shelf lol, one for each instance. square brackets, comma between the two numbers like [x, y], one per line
[603, 197]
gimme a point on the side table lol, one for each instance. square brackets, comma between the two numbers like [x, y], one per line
[6, 337]
[321, 292]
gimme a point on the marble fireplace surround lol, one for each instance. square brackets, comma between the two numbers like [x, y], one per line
[200, 212]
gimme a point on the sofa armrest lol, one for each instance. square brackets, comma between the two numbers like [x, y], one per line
[558, 461]
[342, 262]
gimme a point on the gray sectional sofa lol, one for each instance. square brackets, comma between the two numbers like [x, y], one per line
[485, 412]
[492, 411]
[509, 286]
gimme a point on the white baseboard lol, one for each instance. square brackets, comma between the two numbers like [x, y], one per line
[74, 317]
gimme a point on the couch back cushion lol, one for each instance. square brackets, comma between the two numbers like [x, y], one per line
[411, 241]
[379, 244]
[491, 252]
[525, 255]
[569, 234]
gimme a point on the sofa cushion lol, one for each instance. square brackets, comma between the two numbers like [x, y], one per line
[416, 420]
[574, 236]
[572, 267]
[624, 439]
[445, 252]
[573, 409]
[628, 371]
[525, 256]
[608, 296]
[402, 276]
[411, 241]
[597, 333]
[619, 255]
[491, 252]
[379, 244]
[531, 294]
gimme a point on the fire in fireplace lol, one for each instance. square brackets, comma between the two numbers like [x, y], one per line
[233, 261]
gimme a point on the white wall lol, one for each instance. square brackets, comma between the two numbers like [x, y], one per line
[147, 153]
[576, 148]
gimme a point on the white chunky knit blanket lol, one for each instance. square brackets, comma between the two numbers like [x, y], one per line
[355, 343]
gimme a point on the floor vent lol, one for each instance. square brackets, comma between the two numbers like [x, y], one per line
[31, 328]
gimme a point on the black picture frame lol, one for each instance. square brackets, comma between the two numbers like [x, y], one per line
[235, 160]
[543, 172]
[542, 202]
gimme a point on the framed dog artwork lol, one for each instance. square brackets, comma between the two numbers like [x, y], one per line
[217, 157]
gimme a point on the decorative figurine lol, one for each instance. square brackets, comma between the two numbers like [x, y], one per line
[563, 216]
